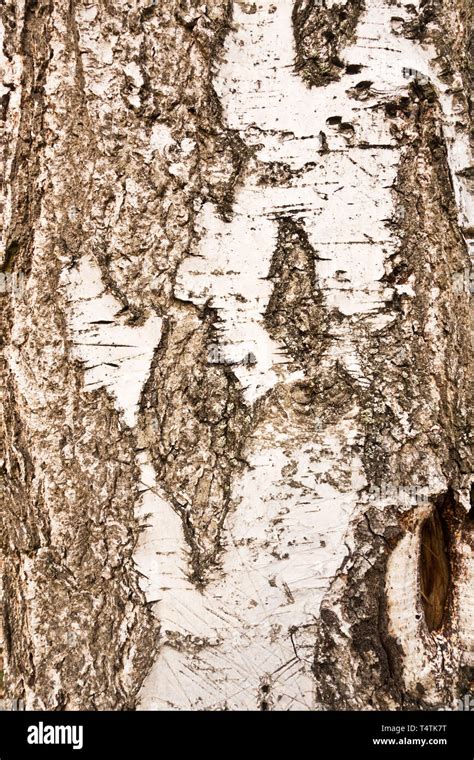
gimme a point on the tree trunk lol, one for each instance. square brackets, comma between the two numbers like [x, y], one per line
[235, 300]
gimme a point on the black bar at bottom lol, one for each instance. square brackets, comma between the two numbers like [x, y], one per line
[139, 734]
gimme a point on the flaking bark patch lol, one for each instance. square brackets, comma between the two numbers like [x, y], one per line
[296, 315]
[358, 663]
[447, 26]
[321, 33]
[196, 439]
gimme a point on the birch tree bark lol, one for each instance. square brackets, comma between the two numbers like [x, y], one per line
[235, 337]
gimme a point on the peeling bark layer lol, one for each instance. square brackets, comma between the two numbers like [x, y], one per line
[235, 323]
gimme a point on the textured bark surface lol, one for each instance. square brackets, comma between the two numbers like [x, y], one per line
[236, 244]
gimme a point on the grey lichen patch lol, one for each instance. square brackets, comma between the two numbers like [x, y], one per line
[321, 32]
[296, 316]
[310, 405]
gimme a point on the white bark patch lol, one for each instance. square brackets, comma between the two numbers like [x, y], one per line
[343, 197]
[116, 356]
[231, 267]
[252, 624]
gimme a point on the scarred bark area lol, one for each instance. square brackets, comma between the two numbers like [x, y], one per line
[235, 373]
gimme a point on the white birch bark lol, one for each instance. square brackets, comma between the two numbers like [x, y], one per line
[236, 465]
